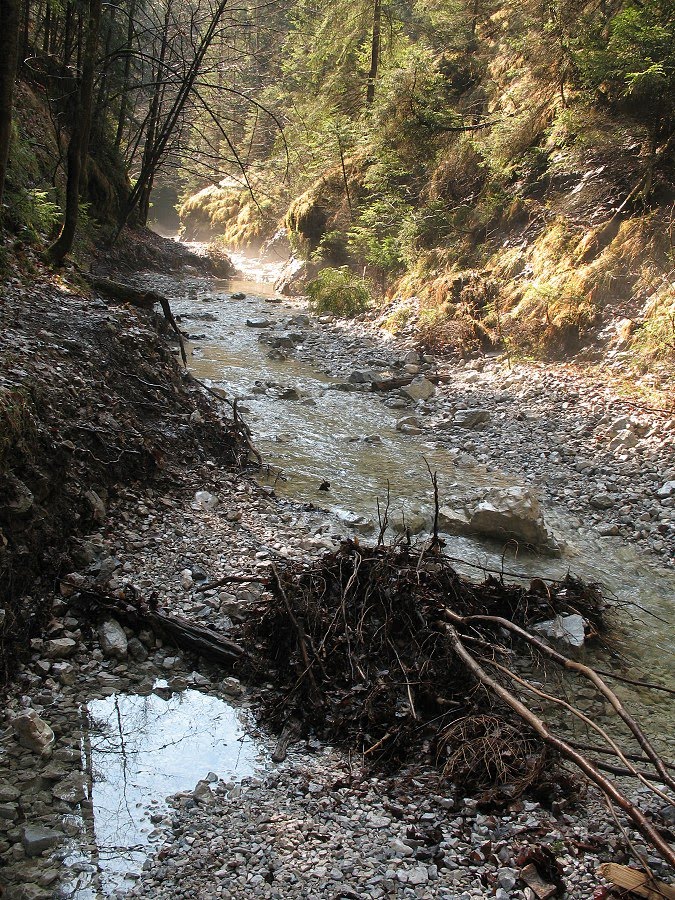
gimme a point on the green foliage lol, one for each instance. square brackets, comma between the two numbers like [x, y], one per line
[31, 212]
[631, 59]
[338, 292]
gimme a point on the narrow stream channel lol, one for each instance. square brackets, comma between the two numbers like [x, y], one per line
[349, 439]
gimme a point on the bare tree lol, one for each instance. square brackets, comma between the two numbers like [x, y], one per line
[78, 146]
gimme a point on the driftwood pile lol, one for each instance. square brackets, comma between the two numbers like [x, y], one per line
[388, 651]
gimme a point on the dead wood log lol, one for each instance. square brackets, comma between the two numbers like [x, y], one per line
[290, 732]
[142, 299]
[210, 644]
[391, 384]
[637, 817]
[639, 883]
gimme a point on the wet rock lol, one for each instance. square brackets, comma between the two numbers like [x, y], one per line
[470, 418]
[283, 340]
[60, 648]
[36, 839]
[409, 425]
[113, 639]
[238, 295]
[32, 732]
[289, 394]
[568, 630]
[512, 513]
[412, 520]
[259, 323]
[420, 388]
[71, 789]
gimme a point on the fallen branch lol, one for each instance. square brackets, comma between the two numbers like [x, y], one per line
[143, 300]
[586, 672]
[637, 817]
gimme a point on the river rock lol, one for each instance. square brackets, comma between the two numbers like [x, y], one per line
[420, 388]
[206, 499]
[290, 393]
[259, 323]
[113, 640]
[568, 630]
[667, 490]
[32, 732]
[282, 339]
[60, 648]
[71, 789]
[470, 418]
[512, 513]
[36, 839]
[601, 501]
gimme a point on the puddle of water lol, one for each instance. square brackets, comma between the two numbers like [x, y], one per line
[136, 752]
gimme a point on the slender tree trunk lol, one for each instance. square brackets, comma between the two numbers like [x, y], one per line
[153, 121]
[10, 11]
[26, 29]
[374, 50]
[48, 22]
[68, 35]
[122, 117]
[163, 133]
[79, 138]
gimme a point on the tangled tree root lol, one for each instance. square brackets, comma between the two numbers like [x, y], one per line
[386, 650]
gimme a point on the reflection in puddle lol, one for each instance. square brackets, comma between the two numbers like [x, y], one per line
[137, 751]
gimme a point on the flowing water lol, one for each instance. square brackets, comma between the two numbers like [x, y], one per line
[349, 439]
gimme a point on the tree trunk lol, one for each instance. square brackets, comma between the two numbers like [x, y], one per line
[122, 118]
[9, 53]
[79, 138]
[374, 51]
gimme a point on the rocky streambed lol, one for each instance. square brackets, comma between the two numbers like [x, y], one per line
[85, 813]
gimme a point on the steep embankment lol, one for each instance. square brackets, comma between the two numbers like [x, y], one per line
[90, 397]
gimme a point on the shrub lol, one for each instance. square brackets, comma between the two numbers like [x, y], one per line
[339, 292]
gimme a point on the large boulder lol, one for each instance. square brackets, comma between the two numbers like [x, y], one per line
[507, 514]
[470, 418]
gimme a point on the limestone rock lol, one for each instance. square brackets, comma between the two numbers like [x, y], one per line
[36, 839]
[33, 732]
[420, 388]
[566, 629]
[470, 418]
[113, 640]
[512, 513]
